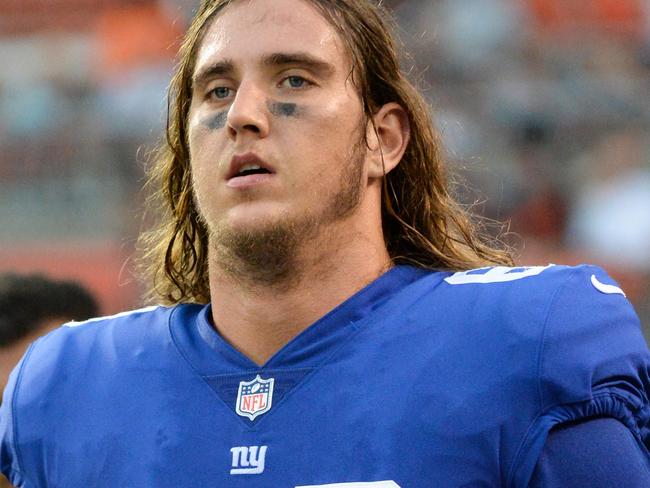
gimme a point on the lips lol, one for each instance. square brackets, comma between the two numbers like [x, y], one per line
[247, 164]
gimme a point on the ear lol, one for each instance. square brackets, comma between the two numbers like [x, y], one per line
[388, 139]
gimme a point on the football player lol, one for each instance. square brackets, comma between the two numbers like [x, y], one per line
[332, 318]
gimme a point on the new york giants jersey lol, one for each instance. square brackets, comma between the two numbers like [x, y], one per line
[422, 379]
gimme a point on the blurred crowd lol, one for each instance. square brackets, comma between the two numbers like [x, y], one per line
[542, 104]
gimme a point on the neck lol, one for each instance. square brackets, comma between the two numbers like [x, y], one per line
[259, 318]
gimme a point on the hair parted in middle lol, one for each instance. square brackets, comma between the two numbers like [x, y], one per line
[423, 225]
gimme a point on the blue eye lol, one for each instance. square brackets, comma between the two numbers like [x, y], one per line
[296, 81]
[220, 92]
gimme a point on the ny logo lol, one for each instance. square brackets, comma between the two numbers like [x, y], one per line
[248, 460]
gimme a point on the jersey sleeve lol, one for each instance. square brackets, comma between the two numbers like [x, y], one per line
[598, 453]
[592, 362]
[9, 456]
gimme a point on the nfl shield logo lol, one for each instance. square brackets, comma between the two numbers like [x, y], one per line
[254, 397]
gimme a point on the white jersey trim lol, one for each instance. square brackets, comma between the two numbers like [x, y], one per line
[117, 315]
[605, 288]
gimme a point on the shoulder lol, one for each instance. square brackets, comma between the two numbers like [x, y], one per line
[119, 330]
[515, 301]
[139, 316]
[70, 355]
[568, 326]
[79, 368]
[561, 310]
[522, 278]
[109, 336]
[539, 289]
[590, 358]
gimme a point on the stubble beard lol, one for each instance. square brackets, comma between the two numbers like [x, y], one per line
[270, 255]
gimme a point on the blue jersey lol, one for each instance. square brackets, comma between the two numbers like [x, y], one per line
[422, 379]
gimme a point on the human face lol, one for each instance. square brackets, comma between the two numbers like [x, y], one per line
[272, 88]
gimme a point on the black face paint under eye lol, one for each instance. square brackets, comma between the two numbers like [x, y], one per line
[217, 121]
[279, 109]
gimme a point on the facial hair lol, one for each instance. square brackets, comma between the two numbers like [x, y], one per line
[269, 255]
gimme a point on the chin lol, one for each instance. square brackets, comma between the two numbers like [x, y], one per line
[257, 222]
[262, 212]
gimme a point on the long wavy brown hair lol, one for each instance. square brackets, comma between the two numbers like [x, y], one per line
[423, 225]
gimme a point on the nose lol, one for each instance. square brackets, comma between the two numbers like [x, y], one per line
[247, 115]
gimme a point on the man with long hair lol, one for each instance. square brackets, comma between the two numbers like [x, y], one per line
[330, 317]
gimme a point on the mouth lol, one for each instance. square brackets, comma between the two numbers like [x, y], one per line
[247, 165]
[252, 169]
[248, 170]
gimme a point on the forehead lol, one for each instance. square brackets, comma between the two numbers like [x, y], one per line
[248, 30]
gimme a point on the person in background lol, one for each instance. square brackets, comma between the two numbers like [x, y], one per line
[31, 305]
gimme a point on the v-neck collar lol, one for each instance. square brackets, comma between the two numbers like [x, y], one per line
[210, 354]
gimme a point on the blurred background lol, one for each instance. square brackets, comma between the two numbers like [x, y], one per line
[544, 107]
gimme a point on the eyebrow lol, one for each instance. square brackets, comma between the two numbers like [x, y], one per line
[227, 66]
[213, 71]
[302, 59]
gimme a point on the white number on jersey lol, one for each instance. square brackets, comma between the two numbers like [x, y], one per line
[498, 274]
